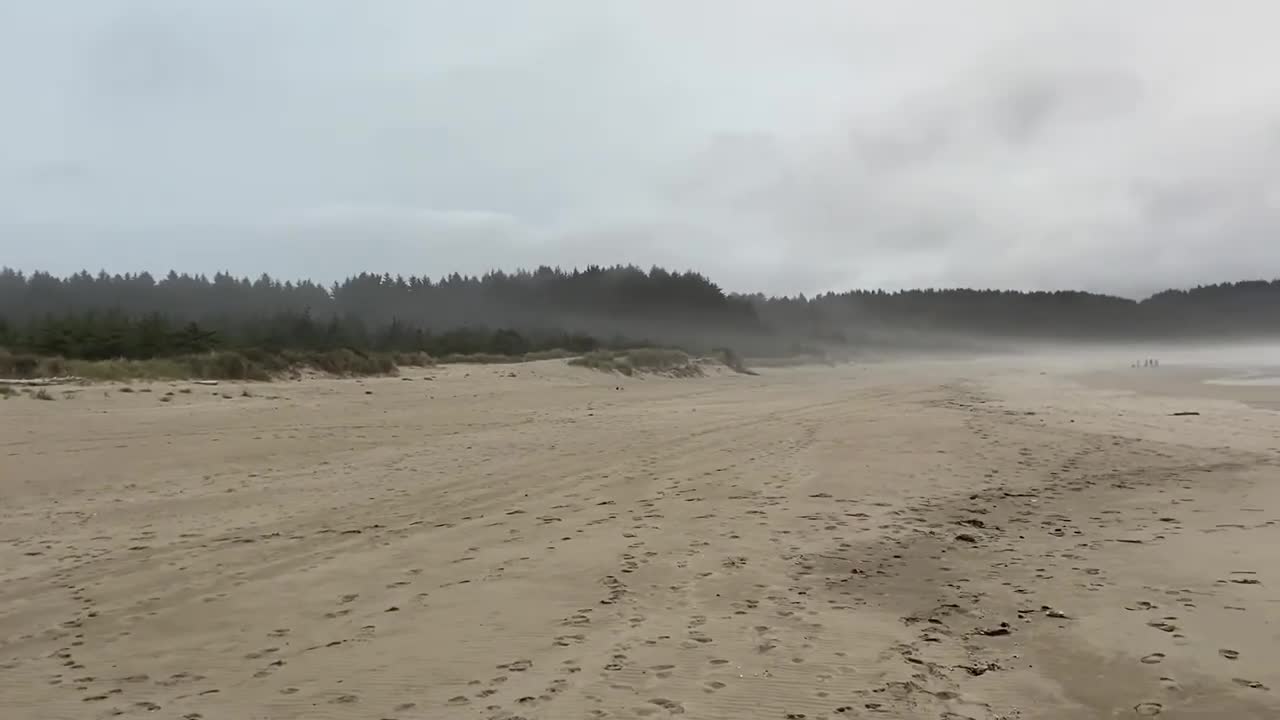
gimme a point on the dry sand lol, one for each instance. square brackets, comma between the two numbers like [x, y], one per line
[923, 540]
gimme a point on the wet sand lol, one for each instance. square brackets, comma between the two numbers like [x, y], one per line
[902, 540]
[1257, 387]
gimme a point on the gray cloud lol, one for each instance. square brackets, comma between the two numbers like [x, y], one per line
[1069, 144]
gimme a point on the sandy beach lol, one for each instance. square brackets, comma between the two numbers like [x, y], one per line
[998, 539]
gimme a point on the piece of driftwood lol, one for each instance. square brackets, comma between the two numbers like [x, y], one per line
[39, 382]
[205, 382]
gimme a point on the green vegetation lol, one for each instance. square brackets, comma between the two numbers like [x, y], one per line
[665, 361]
[213, 365]
[733, 361]
[116, 327]
[479, 359]
[552, 354]
[793, 361]
[258, 365]
[655, 359]
[639, 360]
[251, 364]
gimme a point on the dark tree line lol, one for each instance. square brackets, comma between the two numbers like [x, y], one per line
[617, 294]
[103, 336]
[139, 316]
[1229, 310]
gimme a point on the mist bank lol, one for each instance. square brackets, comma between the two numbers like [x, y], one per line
[138, 315]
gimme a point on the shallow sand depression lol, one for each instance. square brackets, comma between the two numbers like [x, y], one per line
[896, 540]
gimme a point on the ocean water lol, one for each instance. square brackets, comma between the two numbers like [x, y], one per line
[1238, 365]
[1259, 380]
[1258, 358]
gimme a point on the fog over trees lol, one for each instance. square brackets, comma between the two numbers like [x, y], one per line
[139, 316]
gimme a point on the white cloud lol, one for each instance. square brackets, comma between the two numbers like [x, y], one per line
[836, 144]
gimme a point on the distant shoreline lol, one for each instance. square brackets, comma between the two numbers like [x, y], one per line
[1267, 379]
[1256, 387]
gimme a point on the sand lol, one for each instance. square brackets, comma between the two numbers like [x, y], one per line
[898, 540]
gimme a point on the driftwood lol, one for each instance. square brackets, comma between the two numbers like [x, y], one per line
[40, 382]
[205, 382]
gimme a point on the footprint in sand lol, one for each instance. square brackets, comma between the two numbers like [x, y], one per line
[1229, 654]
[1148, 709]
[670, 706]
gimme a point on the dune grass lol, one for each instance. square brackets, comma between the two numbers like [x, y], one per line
[262, 365]
[553, 354]
[786, 361]
[733, 361]
[637, 360]
[496, 359]
[248, 365]
[665, 361]
[221, 365]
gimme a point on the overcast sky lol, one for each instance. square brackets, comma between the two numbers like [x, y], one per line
[779, 147]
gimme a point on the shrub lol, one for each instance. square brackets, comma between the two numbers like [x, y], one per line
[414, 359]
[335, 362]
[122, 370]
[478, 359]
[270, 363]
[552, 354]
[229, 366]
[597, 360]
[346, 362]
[51, 367]
[657, 359]
[629, 362]
[733, 361]
[250, 364]
[18, 366]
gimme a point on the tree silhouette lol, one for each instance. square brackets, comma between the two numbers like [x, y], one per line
[136, 316]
